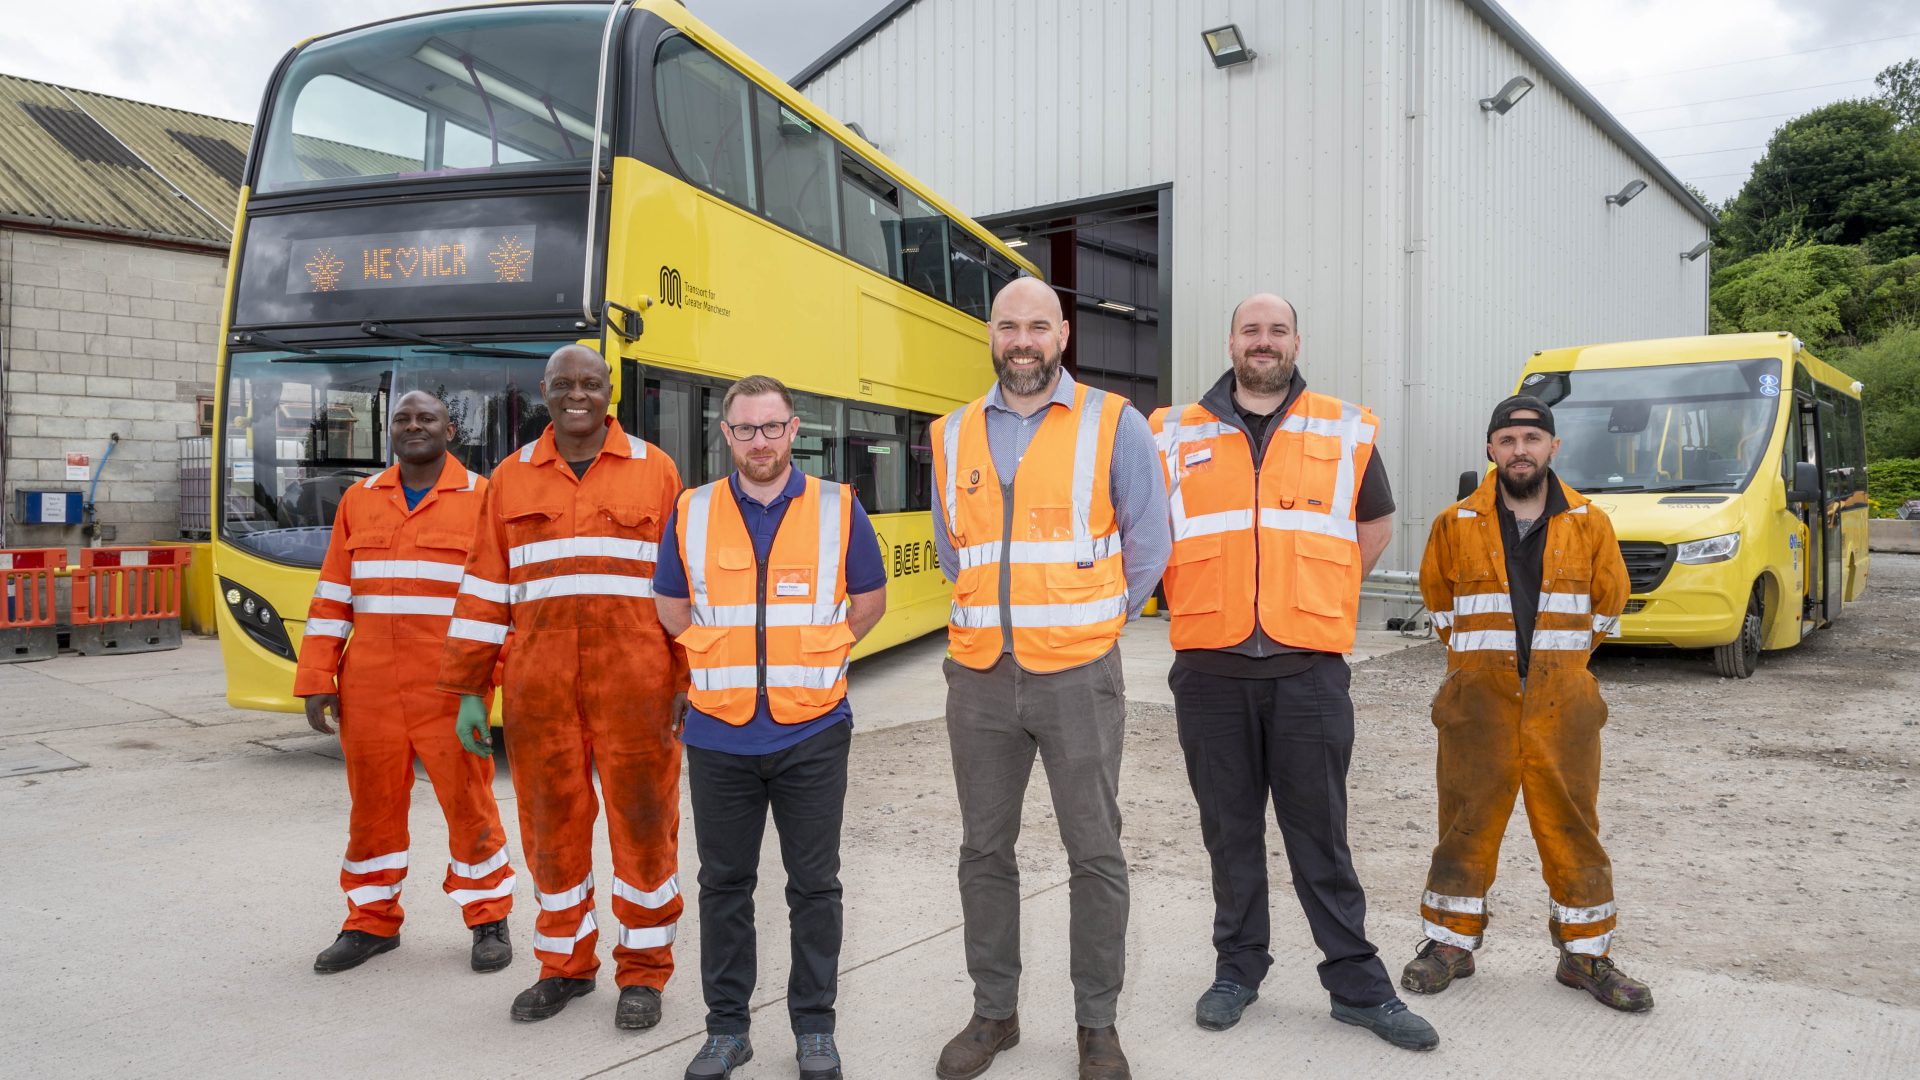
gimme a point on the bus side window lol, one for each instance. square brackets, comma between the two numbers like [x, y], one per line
[704, 111]
[823, 432]
[920, 455]
[923, 251]
[969, 272]
[796, 158]
[870, 203]
[877, 461]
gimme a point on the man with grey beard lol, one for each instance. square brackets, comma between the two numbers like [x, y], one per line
[1051, 521]
[1280, 507]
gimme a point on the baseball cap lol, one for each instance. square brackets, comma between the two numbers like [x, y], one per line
[1503, 414]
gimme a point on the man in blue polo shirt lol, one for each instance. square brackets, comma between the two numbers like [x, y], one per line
[797, 766]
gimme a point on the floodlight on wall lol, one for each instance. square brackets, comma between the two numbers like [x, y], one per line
[1226, 46]
[1508, 96]
[1016, 241]
[1625, 195]
[1697, 250]
[1116, 305]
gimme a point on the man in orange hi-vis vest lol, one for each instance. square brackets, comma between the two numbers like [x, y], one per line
[1280, 507]
[563, 557]
[386, 591]
[768, 576]
[1051, 521]
[1524, 579]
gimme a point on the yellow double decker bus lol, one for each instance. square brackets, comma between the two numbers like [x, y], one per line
[439, 201]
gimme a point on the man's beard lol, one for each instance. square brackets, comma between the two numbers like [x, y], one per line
[1265, 381]
[1522, 490]
[1022, 382]
[761, 472]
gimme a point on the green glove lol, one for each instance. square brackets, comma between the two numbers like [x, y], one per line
[472, 726]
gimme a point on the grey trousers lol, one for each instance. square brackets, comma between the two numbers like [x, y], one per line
[996, 720]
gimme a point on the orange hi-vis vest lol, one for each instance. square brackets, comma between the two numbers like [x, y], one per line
[1057, 545]
[801, 603]
[1287, 526]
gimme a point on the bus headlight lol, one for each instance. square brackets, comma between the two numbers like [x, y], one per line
[1711, 550]
[257, 618]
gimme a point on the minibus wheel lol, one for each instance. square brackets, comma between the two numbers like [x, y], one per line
[1737, 658]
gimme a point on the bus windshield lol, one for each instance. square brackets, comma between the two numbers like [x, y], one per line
[1678, 427]
[464, 92]
[301, 430]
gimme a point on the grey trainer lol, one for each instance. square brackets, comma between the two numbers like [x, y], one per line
[1392, 1022]
[719, 1056]
[1220, 1007]
[819, 1058]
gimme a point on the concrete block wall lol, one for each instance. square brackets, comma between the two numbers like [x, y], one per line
[98, 338]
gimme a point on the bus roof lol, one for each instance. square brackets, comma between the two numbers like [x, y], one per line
[676, 13]
[1692, 350]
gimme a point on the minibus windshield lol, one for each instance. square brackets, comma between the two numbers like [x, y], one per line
[1677, 427]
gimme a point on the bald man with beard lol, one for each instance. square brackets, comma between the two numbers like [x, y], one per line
[1051, 521]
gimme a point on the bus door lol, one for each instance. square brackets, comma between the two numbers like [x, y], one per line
[1819, 445]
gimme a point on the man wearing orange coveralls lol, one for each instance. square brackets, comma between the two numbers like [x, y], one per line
[399, 543]
[1524, 579]
[563, 558]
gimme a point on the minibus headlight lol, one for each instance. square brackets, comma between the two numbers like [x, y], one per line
[1711, 550]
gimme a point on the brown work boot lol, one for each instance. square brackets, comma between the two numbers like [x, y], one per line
[1100, 1056]
[1608, 984]
[969, 1053]
[1434, 967]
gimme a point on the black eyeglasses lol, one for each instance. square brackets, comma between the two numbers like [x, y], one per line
[771, 431]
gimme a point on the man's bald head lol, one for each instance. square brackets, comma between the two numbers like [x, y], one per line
[1028, 333]
[1265, 298]
[572, 356]
[418, 400]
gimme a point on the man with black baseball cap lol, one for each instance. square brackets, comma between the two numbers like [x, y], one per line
[1524, 580]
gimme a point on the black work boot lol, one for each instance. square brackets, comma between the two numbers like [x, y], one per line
[491, 949]
[1434, 967]
[548, 996]
[971, 1052]
[1100, 1055]
[639, 1008]
[1608, 984]
[719, 1056]
[1392, 1022]
[817, 1055]
[1220, 1007]
[351, 949]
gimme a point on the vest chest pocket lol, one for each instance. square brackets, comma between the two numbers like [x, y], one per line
[370, 541]
[734, 558]
[1196, 575]
[1049, 523]
[532, 524]
[447, 542]
[631, 522]
[1322, 573]
[1320, 470]
[707, 646]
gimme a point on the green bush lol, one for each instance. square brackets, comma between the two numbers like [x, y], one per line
[1892, 482]
[1806, 289]
[1889, 366]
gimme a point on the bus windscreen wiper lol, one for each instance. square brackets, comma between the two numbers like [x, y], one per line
[1609, 489]
[304, 355]
[445, 345]
[1705, 485]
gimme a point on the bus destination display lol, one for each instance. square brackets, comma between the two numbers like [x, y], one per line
[487, 255]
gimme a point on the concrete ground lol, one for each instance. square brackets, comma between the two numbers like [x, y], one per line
[171, 868]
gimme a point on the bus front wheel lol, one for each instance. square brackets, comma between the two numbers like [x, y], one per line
[1738, 658]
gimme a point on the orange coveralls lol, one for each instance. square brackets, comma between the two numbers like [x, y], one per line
[1499, 736]
[566, 563]
[389, 581]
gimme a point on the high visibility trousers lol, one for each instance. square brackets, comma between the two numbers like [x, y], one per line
[380, 748]
[1499, 738]
[554, 756]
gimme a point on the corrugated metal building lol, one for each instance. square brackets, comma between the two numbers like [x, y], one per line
[1429, 243]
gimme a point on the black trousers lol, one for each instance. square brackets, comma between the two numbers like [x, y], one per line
[1290, 739]
[806, 786]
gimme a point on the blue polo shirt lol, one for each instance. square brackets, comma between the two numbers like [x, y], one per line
[865, 573]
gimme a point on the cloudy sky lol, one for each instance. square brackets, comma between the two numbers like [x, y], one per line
[1702, 82]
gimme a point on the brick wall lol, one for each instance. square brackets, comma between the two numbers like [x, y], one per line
[103, 338]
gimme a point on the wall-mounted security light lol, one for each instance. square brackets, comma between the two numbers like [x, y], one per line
[1016, 241]
[1116, 305]
[1625, 195]
[1697, 250]
[1226, 46]
[1508, 96]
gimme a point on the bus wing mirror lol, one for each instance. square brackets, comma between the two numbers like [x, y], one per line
[1469, 482]
[1806, 483]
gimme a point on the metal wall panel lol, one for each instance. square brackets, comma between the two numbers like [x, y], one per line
[1429, 246]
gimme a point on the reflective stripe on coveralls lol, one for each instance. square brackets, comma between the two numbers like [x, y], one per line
[1057, 541]
[1289, 526]
[385, 592]
[566, 563]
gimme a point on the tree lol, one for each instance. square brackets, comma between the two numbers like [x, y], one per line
[1805, 289]
[1889, 369]
[1900, 90]
[1842, 174]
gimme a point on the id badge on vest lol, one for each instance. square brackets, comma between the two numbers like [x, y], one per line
[790, 582]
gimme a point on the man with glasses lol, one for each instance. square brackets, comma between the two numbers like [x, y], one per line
[564, 559]
[767, 578]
